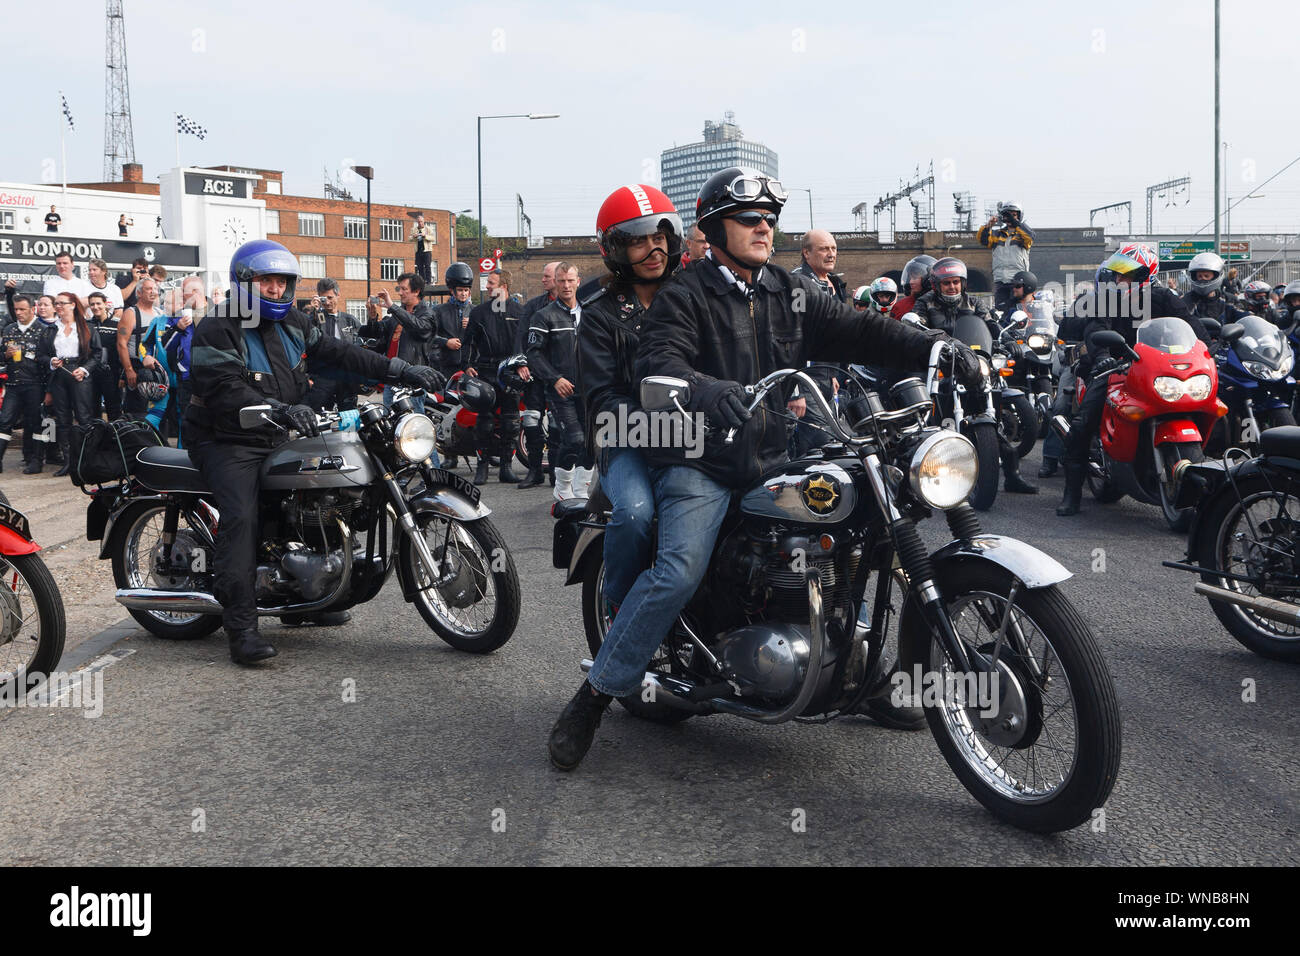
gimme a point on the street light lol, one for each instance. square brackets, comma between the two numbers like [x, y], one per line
[367, 173]
[457, 214]
[531, 116]
[801, 189]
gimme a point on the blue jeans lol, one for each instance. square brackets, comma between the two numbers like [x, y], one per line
[691, 507]
[419, 407]
[626, 482]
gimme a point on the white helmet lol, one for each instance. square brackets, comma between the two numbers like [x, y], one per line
[1205, 262]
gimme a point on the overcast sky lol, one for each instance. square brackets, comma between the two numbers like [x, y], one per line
[1059, 108]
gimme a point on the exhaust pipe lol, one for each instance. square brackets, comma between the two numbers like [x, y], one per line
[1062, 426]
[1270, 608]
[171, 602]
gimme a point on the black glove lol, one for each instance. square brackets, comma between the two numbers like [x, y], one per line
[1104, 366]
[421, 376]
[298, 417]
[965, 365]
[723, 402]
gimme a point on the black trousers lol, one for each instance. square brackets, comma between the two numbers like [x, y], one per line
[570, 413]
[71, 399]
[23, 407]
[1085, 423]
[423, 264]
[498, 428]
[105, 381]
[233, 472]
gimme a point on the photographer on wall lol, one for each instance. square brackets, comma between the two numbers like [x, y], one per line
[1010, 239]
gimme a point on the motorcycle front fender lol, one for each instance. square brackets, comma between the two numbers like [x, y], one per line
[12, 543]
[1172, 431]
[448, 503]
[1035, 568]
[1012, 393]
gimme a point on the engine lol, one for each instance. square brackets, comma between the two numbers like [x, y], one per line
[302, 557]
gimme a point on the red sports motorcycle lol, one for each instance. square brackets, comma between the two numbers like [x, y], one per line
[32, 625]
[1160, 408]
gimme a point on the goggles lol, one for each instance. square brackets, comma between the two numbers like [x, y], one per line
[750, 188]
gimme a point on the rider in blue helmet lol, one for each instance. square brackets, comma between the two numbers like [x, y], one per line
[255, 348]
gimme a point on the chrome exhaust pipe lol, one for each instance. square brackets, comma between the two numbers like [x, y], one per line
[1270, 608]
[171, 602]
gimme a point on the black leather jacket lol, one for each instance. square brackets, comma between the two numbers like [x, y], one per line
[937, 314]
[417, 328]
[607, 341]
[702, 328]
[552, 344]
[492, 335]
[447, 325]
[28, 370]
[87, 355]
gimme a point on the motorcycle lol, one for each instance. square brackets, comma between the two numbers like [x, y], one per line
[454, 425]
[1244, 541]
[32, 628]
[1032, 367]
[1160, 407]
[1254, 365]
[782, 627]
[338, 513]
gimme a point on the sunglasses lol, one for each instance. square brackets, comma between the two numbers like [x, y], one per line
[751, 218]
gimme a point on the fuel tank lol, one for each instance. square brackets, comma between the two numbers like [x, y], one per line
[331, 460]
[808, 490]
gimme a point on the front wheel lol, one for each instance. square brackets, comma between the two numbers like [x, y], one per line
[474, 603]
[32, 627]
[985, 437]
[1020, 424]
[1038, 741]
[1178, 519]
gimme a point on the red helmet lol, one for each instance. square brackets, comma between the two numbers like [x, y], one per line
[632, 212]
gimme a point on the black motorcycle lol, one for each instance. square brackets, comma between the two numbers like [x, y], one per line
[1031, 369]
[337, 513]
[773, 633]
[1244, 541]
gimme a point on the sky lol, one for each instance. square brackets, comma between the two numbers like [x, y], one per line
[1059, 108]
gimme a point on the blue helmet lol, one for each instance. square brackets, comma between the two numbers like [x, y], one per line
[256, 258]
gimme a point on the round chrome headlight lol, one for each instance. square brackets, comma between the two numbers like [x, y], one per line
[1038, 342]
[999, 362]
[944, 469]
[413, 437]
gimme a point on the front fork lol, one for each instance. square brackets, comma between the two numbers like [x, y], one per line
[406, 521]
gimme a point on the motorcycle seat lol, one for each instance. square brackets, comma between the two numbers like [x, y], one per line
[597, 504]
[167, 469]
[1280, 442]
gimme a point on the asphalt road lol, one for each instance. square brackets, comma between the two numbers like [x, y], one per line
[442, 756]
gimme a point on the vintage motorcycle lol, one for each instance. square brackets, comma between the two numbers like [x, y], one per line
[1033, 368]
[32, 628]
[338, 513]
[773, 634]
[1245, 541]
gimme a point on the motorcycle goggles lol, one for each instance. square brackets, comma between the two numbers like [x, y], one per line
[618, 238]
[751, 188]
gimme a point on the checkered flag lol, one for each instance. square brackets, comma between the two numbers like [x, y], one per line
[186, 125]
[67, 112]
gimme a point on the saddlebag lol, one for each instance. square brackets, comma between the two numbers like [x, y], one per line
[105, 451]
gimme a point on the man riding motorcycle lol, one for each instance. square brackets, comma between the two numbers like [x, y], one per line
[729, 319]
[1255, 300]
[255, 348]
[1204, 297]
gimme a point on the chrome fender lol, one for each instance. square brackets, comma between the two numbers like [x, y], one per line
[1035, 568]
[449, 504]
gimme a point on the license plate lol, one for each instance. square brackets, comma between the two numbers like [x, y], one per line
[15, 521]
[441, 476]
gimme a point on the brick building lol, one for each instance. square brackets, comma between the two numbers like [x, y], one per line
[329, 238]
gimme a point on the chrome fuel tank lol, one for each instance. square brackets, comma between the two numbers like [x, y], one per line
[804, 491]
[331, 460]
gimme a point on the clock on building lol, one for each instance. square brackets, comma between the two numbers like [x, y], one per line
[234, 232]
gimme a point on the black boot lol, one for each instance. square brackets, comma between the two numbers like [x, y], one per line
[481, 475]
[34, 464]
[506, 474]
[533, 441]
[1013, 483]
[319, 618]
[1048, 468]
[573, 733]
[4, 446]
[896, 714]
[451, 463]
[248, 646]
[1073, 496]
[65, 457]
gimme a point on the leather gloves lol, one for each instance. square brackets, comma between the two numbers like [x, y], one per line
[965, 365]
[298, 417]
[723, 402]
[421, 376]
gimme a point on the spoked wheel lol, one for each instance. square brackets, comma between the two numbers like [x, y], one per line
[1257, 536]
[1039, 745]
[668, 658]
[474, 603]
[1178, 519]
[32, 627]
[142, 560]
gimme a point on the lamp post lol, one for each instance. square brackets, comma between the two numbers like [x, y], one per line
[455, 216]
[367, 173]
[531, 116]
[801, 189]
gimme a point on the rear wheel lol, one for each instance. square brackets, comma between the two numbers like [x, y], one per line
[142, 560]
[1178, 519]
[985, 437]
[32, 627]
[1019, 423]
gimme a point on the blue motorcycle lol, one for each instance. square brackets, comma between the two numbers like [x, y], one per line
[1255, 361]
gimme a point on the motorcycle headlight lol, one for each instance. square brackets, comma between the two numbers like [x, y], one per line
[1038, 342]
[1288, 360]
[999, 361]
[1198, 387]
[1169, 388]
[413, 437]
[944, 469]
[1262, 371]
[984, 365]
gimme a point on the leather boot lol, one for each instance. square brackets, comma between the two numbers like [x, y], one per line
[533, 441]
[34, 464]
[4, 446]
[1048, 468]
[248, 646]
[1011, 474]
[506, 474]
[481, 475]
[66, 458]
[1073, 497]
[573, 733]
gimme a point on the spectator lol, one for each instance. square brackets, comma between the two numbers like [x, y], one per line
[134, 356]
[97, 269]
[450, 320]
[107, 377]
[404, 332]
[122, 223]
[45, 309]
[193, 304]
[159, 275]
[535, 393]
[493, 331]
[819, 252]
[25, 388]
[696, 246]
[422, 236]
[67, 350]
[1010, 239]
[552, 355]
[65, 280]
[325, 393]
[1232, 285]
[52, 220]
[127, 281]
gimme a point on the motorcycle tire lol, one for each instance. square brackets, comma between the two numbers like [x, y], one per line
[1020, 424]
[1223, 547]
[1279, 417]
[596, 623]
[1180, 519]
[1074, 716]
[483, 554]
[521, 446]
[28, 650]
[984, 435]
[138, 520]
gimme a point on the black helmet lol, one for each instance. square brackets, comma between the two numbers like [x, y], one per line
[736, 187]
[459, 274]
[1026, 279]
[917, 267]
[508, 377]
[947, 268]
[476, 394]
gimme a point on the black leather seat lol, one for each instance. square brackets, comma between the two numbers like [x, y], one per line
[597, 504]
[168, 469]
[1282, 442]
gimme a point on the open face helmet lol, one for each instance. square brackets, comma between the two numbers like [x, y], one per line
[948, 268]
[633, 212]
